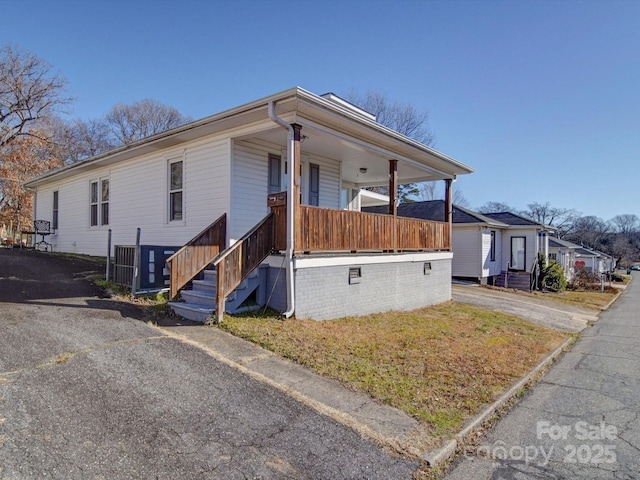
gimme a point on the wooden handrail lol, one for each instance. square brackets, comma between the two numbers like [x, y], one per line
[197, 254]
[240, 259]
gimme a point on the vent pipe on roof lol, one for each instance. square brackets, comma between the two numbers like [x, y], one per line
[290, 208]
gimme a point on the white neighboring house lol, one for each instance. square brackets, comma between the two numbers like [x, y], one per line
[594, 260]
[496, 248]
[563, 253]
[221, 188]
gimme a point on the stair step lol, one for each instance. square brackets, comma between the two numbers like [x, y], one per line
[192, 311]
[200, 297]
[204, 285]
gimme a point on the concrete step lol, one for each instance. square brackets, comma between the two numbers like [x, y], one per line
[192, 311]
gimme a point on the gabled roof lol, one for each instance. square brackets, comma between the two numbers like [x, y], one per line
[434, 210]
[516, 220]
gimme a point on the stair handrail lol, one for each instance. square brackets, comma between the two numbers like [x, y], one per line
[184, 267]
[236, 262]
[534, 272]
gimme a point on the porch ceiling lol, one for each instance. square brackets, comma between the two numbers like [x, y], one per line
[353, 156]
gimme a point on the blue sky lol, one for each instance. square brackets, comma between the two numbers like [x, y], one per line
[542, 98]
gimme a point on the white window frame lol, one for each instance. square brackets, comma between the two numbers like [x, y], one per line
[55, 214]
[99, 202]
[171, 191]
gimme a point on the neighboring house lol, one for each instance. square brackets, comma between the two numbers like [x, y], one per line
[594, 260]
[494, 248]
[477, 239]
[217, 186]
[563, 253]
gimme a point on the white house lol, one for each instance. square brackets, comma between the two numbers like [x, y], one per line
[563, 253]
[222, 187]
[494, 248]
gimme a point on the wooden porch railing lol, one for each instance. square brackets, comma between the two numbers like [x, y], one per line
[240, 259]
[199, 252]
[328, 230]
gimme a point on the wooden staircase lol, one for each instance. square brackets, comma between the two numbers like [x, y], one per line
[517, 280]
[221, 279]
[199, 303]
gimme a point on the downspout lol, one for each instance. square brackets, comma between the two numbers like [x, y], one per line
[290, 208]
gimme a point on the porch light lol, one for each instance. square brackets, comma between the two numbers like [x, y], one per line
[363, 169]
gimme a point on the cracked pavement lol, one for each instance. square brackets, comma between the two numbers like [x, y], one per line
[581, 420]
[88, 390]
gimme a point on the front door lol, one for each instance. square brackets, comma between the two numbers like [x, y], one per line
[518, 253]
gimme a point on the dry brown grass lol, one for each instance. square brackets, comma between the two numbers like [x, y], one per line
[439, 364]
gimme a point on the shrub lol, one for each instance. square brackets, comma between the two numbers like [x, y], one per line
[584, 279]
[552, 277]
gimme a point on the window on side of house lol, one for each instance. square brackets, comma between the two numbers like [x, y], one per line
[493, 246]
[93, 203]
[275, 173]
[99, 202]
[54, 216]
[176, 190]
[104, 202]
[314, 184]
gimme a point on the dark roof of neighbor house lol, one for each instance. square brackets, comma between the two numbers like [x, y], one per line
[513, 219]
[434, 210]
[586, 251]
[560, 243]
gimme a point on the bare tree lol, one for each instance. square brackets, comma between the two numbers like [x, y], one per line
[627, 224]
[29, 93]
[589, 230]
[496, 207]
[429, 191]
[402, 117]
[560, 218]
[77, 140]
[129, 123]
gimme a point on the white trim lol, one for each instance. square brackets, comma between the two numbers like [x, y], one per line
[350, 259]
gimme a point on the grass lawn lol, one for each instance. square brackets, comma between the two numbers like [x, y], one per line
[439, 364]
[591, 299]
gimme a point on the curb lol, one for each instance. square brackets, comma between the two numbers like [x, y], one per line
[443, 454]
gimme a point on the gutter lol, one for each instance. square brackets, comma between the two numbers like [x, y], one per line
[290, 211]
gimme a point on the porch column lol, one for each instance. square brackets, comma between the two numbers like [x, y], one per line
[295, 172]
[393, 187]
[448, 208]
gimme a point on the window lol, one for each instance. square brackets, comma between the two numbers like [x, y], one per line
[94, 204]
[274, 173]
[314, 184]
[553, 256]
[176, 191]
[54, 216]
[99, 202]
[492, 252]
[104, 203]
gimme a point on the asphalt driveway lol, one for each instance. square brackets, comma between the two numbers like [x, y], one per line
[568, 318]
[88, 390]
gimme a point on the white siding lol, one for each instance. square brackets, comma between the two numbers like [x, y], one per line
[466, 252]
[491, 267]
[531, 245]
[250, 185]
[329, 181]
[138, 198]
